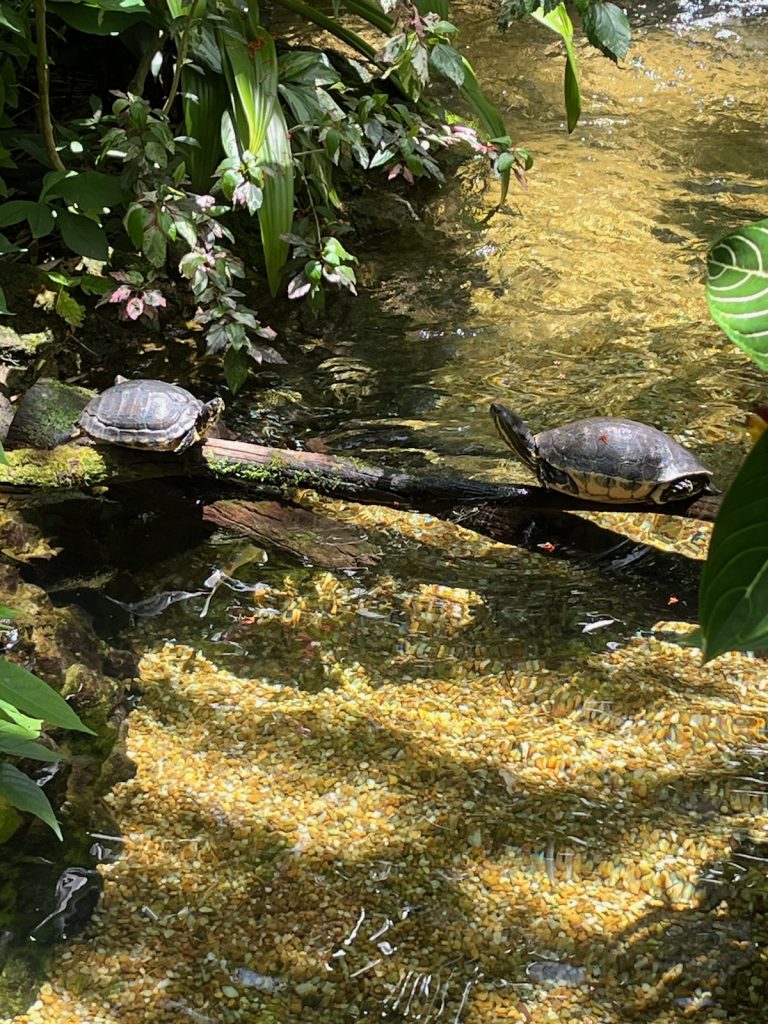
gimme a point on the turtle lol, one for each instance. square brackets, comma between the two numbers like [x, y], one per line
[148, 414]
[606, 459]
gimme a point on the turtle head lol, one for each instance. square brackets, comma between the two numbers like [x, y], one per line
[210, 414]
[516, 433]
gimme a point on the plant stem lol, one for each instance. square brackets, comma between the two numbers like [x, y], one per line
[136, 84]
[43, 87]
[181, 56]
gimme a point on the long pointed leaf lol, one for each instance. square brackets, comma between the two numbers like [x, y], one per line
[22, 793]
[33, 696]
[276, 211]
[559, 21]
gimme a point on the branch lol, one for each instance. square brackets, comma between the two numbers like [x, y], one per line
[257, 469]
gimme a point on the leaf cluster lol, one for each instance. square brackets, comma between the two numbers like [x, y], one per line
[26, 703]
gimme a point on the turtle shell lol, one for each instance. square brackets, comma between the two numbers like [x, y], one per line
[613, 459]
[149, 414]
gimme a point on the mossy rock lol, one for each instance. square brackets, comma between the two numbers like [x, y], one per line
[47, 414]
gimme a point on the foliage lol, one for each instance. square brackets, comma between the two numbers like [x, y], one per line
[25, 703]
[733, 605]
[733, 601]
[737, 288]
[149, 189]
[605, 26]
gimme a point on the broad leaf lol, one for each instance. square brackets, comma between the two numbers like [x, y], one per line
[82, 235]
[22, 793]
[607, 28]
[448, 62]
[235, 368]
[733, 601]
[90, 190]
[737, 288]
[4, 462]
[34, 697]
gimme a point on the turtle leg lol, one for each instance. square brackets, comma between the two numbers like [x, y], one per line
[187, 441]
[556, 479]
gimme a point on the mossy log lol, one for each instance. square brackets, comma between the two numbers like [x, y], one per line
[259, 469]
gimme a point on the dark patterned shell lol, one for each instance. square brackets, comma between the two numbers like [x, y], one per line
[147, 414]
[617, 459]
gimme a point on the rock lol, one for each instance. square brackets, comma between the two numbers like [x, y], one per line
[47, 414]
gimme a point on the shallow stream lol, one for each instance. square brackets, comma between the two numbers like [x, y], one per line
[466, 783]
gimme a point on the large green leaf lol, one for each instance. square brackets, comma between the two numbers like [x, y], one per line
[82, 235]
[737, 288]
[558, 20]
[21, 792]
[607, 28]
[733, 601]
[34, 697]
[276, 211]
[205, 100]
[90, 190]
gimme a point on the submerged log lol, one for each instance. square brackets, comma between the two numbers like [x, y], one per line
[259, 469]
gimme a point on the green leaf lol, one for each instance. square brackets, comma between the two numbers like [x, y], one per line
[607, 28]
[90, 190]
[4, 462]
[15, 746]
[40, 220]
[22, 793]
[69, 309]
[733, 600]
[135, 223]
[558, 20]
[5, 611]
[19, 724]
[737, 288]
[235, 368]
[489, 116]
[154, 246]
[82, 235]
[4, 311]
[448, 62]
[15, 211]
[276, 210]
[34, 697]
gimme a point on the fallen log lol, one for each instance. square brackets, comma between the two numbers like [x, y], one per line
[259, 469]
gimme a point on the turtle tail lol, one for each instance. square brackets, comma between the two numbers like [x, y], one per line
[515, 432]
